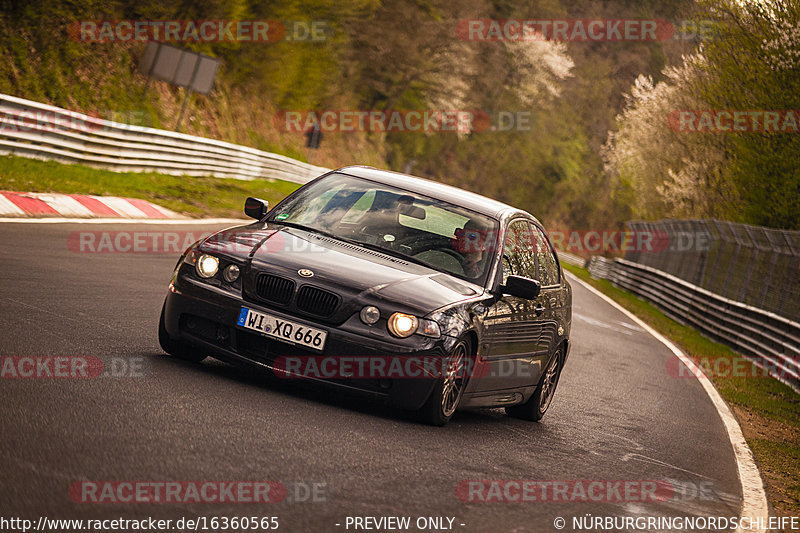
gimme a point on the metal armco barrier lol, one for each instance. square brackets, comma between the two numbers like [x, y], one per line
[42, 131]
[571, 259]
[599, 267]
[771, 340]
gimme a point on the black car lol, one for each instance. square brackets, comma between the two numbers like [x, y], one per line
[422, 294]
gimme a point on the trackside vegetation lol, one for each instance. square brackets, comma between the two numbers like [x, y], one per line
[577, 132]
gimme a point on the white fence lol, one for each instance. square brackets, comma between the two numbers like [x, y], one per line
[42, 131]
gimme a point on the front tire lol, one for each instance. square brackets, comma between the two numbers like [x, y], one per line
[536, 406]
[178, 349]
[446, 395]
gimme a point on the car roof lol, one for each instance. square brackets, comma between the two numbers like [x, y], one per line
[440, 191]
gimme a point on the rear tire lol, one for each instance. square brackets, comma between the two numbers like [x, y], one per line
[178, 349]
[446, 395]
[536, 406]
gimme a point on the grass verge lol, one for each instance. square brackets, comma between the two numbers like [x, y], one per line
[198, 197]
[768, 411]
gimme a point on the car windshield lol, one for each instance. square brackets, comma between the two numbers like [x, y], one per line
[432, 232]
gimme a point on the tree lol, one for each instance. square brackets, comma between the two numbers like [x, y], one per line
[751, 64]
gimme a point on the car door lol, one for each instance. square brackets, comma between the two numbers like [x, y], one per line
[551, 300]
[513, 325]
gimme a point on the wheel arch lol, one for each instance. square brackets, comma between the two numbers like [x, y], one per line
[472, 335]
[565, 345]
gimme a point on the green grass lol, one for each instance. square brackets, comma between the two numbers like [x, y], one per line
[768, 410]
[198, 197]
[776, 457]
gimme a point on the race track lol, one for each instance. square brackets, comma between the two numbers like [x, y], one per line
[618, 415]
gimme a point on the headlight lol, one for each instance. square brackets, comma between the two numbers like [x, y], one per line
[402, 325]
[207, 265]
[231, 273]
[370, 314]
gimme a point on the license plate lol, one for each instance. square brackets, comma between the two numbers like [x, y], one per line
[281, 329]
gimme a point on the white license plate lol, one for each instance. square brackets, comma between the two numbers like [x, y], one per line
[285, 330]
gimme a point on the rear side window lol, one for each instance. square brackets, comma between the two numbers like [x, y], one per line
[546, 263]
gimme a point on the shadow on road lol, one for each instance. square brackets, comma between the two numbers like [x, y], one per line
[335, 397]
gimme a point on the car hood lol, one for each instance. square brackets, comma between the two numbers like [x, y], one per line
[357, 274]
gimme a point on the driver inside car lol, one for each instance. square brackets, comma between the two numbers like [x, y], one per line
[471, 242]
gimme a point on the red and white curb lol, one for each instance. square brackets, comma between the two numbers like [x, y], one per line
[41, 205]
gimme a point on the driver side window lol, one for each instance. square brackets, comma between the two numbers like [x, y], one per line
[518, 252]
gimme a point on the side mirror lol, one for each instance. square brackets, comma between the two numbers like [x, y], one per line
[255, 208]
[521, 287]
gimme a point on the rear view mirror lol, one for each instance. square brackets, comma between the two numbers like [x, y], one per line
[521, 287]
[255, 208]
[413, 211]
[406, 207]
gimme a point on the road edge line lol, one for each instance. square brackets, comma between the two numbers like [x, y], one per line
[754, 497]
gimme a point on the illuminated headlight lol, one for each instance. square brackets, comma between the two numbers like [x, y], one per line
[370, 314]
[207, 265]
[231, 273]
[402, 325]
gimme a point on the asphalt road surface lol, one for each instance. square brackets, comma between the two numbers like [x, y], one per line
[617, 415]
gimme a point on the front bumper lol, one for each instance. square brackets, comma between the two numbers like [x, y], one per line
[206, 317]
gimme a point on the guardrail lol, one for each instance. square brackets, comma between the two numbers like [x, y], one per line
[42, 131]
[572, 259]
[600, 267]
[772, 341]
